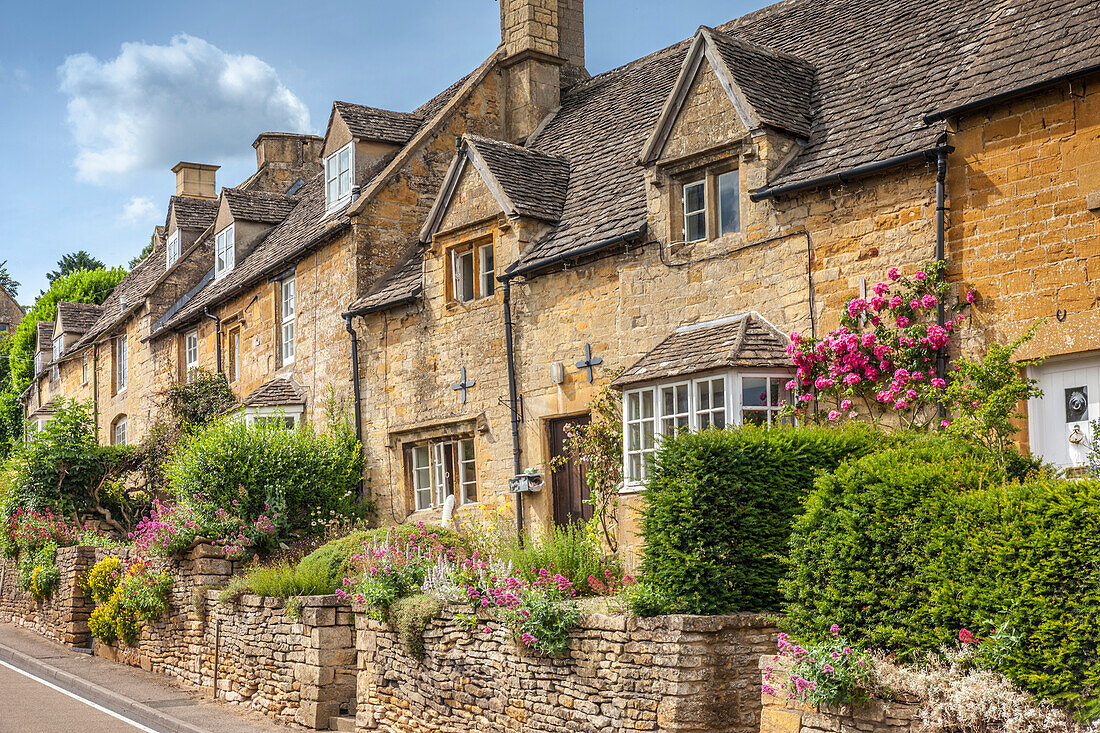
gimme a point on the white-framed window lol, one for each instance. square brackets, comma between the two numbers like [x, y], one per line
[224, 253]
[173, 253]
[695, 211]
[84, 370]
[120, 363]
[729, 202]
[338, 175]
[286, 301]
[287, 418]
[37, 363]
[58, 347]
[443, 468]
[462, 275]
[190, 354]
[118, 435]
[708, 401]
[486, 269]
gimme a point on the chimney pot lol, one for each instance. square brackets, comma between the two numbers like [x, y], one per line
[195, 180]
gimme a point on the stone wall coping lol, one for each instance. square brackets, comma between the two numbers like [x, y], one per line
[624, 622]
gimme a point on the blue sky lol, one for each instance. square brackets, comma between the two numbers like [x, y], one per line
[99, 100]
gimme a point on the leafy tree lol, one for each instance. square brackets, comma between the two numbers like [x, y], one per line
[6, 280]
[74, 262]
[83, 286]
[146, 250]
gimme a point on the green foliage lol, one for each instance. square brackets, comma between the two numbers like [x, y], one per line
[8, 282]
[544, 619]
[64, 469]
[332, 561]
[38, 571]
[984, 396]
[123, 600]
[284, 580]
[99, 583]
[410, 616]
[75, 262]
[78, 287]
[246, 468]
[720, 505]
[203, 398]
[145, 591]
[575, 551]
[906, 547]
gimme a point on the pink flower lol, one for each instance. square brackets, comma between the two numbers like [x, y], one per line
[852, 415]
[929, 300]
[921, 275]
[944, 423]
[845, 404]
[880, 288]
[966, 637]
[939, 383]
[834, 630]
[895, 302]
[970, 298]
[833, 415]
[893, 274]
[901, 404]
[903, 321]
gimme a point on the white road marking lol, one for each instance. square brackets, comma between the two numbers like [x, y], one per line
[74, 696]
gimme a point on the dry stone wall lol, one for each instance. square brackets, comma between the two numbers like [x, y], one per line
[63, 615]
[673, 673]
[787, 716]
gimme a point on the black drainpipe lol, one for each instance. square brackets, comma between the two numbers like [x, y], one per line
[513, 398]
[941, 252]
[355, 377]
[217, 336]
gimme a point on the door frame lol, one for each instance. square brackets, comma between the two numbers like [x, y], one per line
[547, 424]
[1063, 361]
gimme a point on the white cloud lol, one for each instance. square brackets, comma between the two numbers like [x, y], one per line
[139, 210]
[152, 106]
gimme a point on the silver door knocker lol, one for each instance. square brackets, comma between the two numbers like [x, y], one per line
[1076, 436]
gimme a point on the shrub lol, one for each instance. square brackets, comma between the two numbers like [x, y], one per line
[827, 673]
[99, 582]
[124, 599]
[719, 508]
[249, 470]
[574, 550]
[540, 613]
[283, 580]
[906, 547]
[38, 571]
[145, 591]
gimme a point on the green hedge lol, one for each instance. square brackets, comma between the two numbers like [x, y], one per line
[719, 508]
[905, 547]
[297, 472]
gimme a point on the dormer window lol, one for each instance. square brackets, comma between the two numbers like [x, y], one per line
[58, 347]
[37, 363]
[338, 168]
[224, 255]
[473, 272]
[695, 211]
[711, 205]
[173, 248]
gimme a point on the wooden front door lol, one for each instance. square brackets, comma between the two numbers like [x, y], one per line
[567, 481]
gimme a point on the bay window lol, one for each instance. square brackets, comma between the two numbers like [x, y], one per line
[710, 401]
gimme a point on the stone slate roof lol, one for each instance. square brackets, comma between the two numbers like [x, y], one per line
[259, 206]
[878, 68]
[133, 288]
[45, 335]
[746, 341]
[534, 182]
[278, 392]
[379, 125]
[401, 285]
[78, 317]
[50, 408]
[305, 226]
[777, 85]
[193, 213]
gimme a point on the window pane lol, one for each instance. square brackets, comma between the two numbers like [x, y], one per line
[634, 437]
[485, 266]
[668, 398]
[635, 467]
[288, 341]
[682, 398]
[728, 202]
[720, 419]
[754, 391]
[647, 403]
[647, 436]
[755, 417]
[633, 406]
[467, 263]
[774, 391]
[695, 218]
[718, 390]
[702, 399]
[345, 160]
[695, 227]
[694, 198]
[704, 421]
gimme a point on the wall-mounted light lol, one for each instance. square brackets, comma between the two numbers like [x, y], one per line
[557, 372]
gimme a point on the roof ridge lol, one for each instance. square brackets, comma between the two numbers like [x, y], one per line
[515, 147]
[741, 40]
[417, 115]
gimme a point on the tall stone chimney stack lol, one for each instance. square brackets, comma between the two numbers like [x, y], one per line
[195, 180]
[544, 54]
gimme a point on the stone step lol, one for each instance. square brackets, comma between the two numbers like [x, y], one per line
[342, 722]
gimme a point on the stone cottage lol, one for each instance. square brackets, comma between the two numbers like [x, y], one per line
[471, 274]
[11, 313]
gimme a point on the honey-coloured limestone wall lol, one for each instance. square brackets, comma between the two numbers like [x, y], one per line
[690, 674]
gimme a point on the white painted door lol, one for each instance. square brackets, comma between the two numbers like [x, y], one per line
[1058, 422]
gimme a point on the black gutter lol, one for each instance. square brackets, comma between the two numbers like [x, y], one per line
[513, 399]
[860, 171]
[217, 336]
[966, 107]
[355, 377]
[518, 270]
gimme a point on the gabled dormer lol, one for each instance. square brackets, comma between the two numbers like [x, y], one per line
[244, 219]
[490, 181]
[358, 140]
[43, 346]
[737, 114]
[73, 321]
[191, 210]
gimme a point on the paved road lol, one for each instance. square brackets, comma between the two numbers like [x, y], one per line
[28, 705]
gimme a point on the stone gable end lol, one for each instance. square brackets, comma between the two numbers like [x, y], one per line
[706, 119]
[472, 202]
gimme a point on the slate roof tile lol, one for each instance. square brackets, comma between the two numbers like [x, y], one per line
[259, 206]
[193, 213]
[746, 340]
[535, 182]
[275, 393]
[380, 125]
[45, 336]
[133, 289]
[78, 317]
[400, 285]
